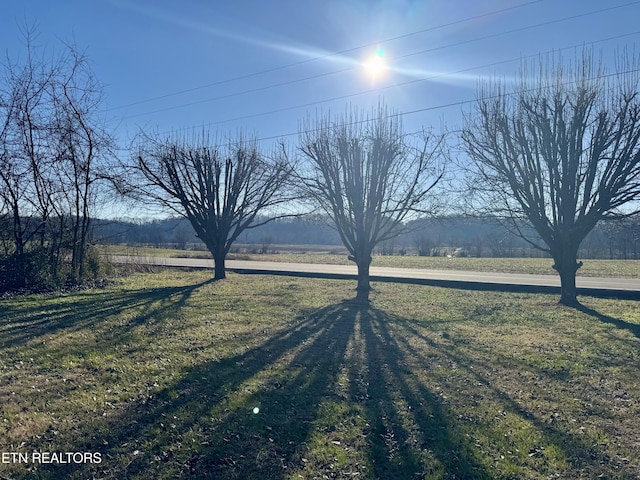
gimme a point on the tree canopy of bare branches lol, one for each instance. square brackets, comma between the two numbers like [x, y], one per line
[561, 151]
[365, 174]
[221, 189]
[53, 150]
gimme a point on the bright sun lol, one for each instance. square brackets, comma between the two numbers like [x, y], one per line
[375, 65]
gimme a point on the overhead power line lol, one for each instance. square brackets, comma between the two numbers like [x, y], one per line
[322, 57]
[459, 103]
[420, 52]
[409, 82]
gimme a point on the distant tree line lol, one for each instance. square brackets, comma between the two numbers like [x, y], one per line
[177, 232]
[443, 236]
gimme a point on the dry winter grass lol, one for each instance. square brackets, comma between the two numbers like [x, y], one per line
[542, 266]
[161, 374]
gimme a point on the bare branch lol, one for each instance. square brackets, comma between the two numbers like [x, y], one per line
[562, 153]
[367, 177]
[220, 190]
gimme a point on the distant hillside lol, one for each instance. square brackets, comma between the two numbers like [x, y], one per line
[467, 236]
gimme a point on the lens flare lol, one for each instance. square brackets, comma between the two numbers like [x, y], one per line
[376, 65]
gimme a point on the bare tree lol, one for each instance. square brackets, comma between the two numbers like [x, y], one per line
[81, 144]
[368, 178]
[52, 141]
[561, 151]
[221, 190]
[23, 103]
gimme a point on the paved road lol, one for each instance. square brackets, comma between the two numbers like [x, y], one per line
[625, 287]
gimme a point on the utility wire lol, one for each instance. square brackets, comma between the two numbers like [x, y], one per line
[429, 50]
[431, 108]
[321, 57]
[440, 107]
[409, 82]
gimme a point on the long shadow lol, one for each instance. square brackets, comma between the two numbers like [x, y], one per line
[580, 450]
[19, 325]
[621, 324]
[398, 448]
[211, 409]
[203, 425]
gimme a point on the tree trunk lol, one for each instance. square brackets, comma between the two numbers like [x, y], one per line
[219, 269]
[20, 260]
[566, 265]
[364, 286]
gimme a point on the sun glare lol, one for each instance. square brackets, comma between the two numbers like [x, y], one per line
[375, 65]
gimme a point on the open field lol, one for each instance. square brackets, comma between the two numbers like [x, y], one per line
[536, 266]
[161, 373]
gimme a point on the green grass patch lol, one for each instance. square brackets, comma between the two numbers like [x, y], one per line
[537, 266]
[171, 375]
[150, 251]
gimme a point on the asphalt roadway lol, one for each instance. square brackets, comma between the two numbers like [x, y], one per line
[628, 288]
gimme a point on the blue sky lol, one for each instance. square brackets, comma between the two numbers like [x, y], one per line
[264, 66]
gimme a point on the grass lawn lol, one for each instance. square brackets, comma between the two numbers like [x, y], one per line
[542, 266]
[161, 375]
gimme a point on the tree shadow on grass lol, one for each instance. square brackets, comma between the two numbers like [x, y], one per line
[19, 325]
[204, 425]
[412, 430]
[616, 322]
[379, 368]
[583, 452]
